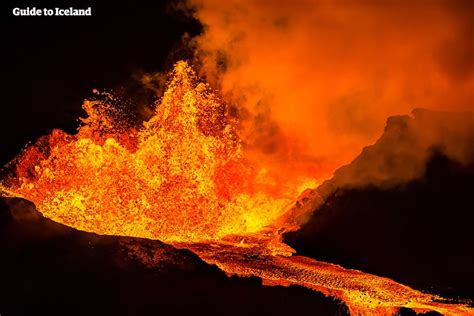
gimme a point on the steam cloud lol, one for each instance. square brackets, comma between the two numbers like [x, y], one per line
[314, 81]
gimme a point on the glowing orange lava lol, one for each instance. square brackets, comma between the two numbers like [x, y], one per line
[182, 178]
[179, 177]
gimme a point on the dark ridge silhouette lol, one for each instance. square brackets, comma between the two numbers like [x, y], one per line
[416, 231]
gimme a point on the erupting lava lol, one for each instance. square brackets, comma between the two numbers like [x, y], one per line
[182, 178]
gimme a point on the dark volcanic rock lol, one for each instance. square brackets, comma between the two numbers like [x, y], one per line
[401, 154]
[47, 268]
[414, 227]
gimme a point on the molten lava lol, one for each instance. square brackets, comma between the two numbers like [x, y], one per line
[179, 177]
[183, 178]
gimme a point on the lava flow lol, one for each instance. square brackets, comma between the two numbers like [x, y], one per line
[183, 178]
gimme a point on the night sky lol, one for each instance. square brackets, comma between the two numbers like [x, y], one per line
[50, 65]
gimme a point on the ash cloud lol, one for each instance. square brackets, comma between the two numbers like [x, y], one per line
[314, 81]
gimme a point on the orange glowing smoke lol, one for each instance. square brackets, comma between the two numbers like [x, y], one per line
[179, 177]
[315, 80]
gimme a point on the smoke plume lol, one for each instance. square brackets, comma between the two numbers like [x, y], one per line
[314, 81]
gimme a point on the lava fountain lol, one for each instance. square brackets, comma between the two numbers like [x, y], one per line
[183, 177]
[180, 177]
